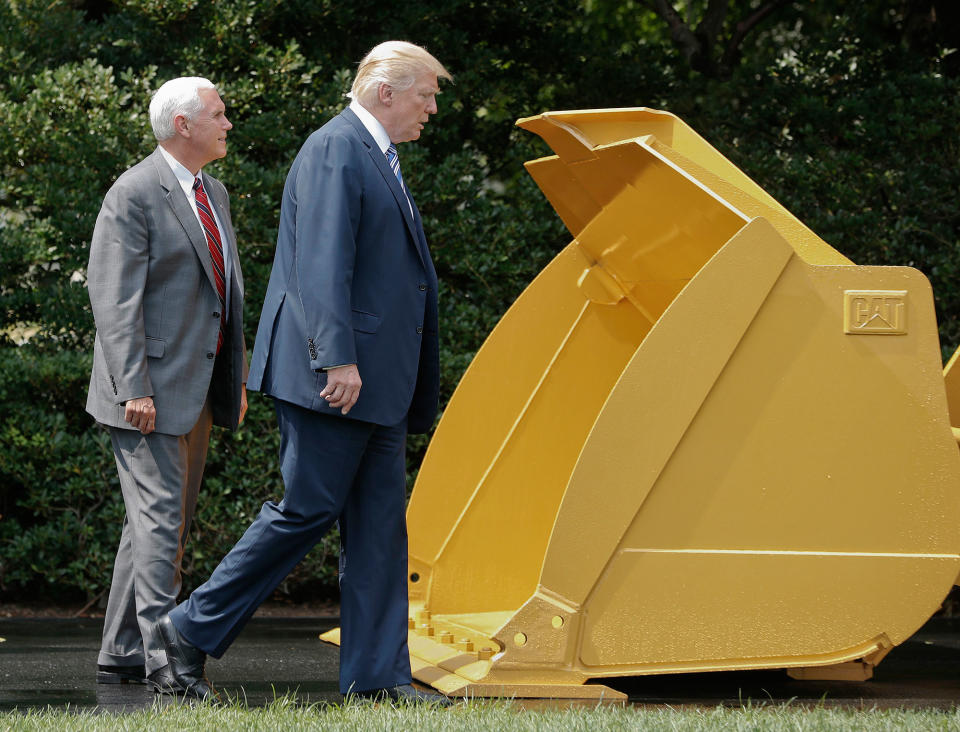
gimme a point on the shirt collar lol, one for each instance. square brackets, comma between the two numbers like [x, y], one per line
[184, 177]
[372, 124]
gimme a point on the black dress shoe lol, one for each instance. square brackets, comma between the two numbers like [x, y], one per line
[162, 681]
[404, 694]
[184, 664]
[107, 674]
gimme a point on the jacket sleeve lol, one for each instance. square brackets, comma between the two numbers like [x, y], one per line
[116, 277]
[328, 192]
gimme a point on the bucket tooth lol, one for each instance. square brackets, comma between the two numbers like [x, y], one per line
[849, 671]
[715, 442]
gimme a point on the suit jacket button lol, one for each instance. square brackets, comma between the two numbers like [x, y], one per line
[419, 329]
[216, 315]
[210, 354]
[422, 287]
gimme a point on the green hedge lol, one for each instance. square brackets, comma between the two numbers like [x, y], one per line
[854, 134]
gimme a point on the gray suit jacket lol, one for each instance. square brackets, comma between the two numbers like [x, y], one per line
[156, 307]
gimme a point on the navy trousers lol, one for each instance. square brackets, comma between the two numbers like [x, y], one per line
[333, 468]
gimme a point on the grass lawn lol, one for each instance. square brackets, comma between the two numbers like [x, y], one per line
[285, 714]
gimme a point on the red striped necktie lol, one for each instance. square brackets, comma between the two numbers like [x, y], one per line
[215, 246]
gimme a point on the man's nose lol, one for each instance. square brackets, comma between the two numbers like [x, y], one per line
[228, 125]
[432, 107]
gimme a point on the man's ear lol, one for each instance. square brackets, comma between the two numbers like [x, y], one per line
[180, 125]
[385, 94]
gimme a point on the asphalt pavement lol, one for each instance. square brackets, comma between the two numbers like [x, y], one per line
[52, 662]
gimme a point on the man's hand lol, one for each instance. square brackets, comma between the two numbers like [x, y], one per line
[243, 402]
[343, 387]
[141, 414]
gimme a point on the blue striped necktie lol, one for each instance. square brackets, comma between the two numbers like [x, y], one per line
[393, 160]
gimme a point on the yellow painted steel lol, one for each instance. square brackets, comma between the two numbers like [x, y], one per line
[701, 439]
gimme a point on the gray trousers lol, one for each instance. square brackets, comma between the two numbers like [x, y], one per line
[160, 479]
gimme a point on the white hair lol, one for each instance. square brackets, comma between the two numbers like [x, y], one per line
[396, 64]
[176, 97]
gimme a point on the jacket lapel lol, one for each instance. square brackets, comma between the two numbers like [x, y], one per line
[184, 213]
[380, 161]
[421, 236]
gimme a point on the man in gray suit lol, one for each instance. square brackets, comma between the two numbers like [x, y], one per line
[169, 359]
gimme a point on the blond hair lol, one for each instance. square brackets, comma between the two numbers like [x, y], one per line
[396, 64]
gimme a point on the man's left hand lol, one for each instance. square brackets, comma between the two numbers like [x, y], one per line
[343, 387]
[141, 414]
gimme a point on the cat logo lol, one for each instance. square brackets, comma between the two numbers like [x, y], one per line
[875, 312]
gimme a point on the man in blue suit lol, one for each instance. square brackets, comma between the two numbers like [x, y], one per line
[347, 346]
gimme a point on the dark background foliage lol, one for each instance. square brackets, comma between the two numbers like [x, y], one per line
[846, 112]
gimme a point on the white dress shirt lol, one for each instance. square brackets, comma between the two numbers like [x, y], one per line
[372, 124]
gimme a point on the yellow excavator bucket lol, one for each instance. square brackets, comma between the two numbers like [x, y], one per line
[701, 439]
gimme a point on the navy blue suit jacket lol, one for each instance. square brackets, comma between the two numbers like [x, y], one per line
[352, 282]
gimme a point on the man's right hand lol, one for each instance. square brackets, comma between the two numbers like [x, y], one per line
[343, 387]
[141, 414]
